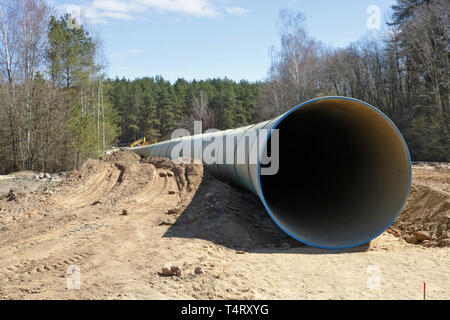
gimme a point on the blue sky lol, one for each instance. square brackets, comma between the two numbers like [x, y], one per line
[200, 39]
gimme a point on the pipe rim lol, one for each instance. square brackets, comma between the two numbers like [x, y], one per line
[265, 144]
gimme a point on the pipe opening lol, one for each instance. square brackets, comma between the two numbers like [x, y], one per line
[344, 174]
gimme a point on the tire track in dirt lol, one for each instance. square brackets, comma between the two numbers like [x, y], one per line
[174, 214]
[82, 222]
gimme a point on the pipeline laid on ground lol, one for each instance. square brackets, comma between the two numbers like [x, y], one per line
[333, 172]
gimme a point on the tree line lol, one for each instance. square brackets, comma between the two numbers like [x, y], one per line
[404, 72]
[52, 104]
[154, 108]
[57, 106]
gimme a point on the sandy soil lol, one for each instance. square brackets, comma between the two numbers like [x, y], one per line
[426, 217]
[150, 229]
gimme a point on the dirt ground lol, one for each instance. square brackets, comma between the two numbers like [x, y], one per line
[131, 228]
[28, 181]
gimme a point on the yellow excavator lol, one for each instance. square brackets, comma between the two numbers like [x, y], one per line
[142, 142]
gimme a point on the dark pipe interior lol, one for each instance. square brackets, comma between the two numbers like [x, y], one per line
[344, 174]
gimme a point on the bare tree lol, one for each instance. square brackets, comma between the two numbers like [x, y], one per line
[202, 111]
[9, 52]
[294, 74]
[403, 71]
[426, 37]
[34, 17]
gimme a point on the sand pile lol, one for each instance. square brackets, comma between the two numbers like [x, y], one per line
[426, 217]
[120, 181]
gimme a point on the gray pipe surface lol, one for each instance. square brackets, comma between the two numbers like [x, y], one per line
[344, 169]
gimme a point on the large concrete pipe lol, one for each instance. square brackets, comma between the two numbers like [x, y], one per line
[344, 169]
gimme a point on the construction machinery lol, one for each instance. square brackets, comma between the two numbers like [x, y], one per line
[143, 142]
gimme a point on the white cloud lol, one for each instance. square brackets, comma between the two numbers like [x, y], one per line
[135, 51]
[118, 6]
[199, 8]
[115, 15]
[81, 12]
[127, 54]
[102, 10]
[237, 11]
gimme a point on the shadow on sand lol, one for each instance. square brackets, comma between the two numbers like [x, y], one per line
[236, 219]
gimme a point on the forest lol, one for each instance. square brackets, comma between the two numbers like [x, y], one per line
[154, 108]
[58, 106]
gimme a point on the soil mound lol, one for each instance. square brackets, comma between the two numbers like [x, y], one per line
[120, 181]
[426, 217]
